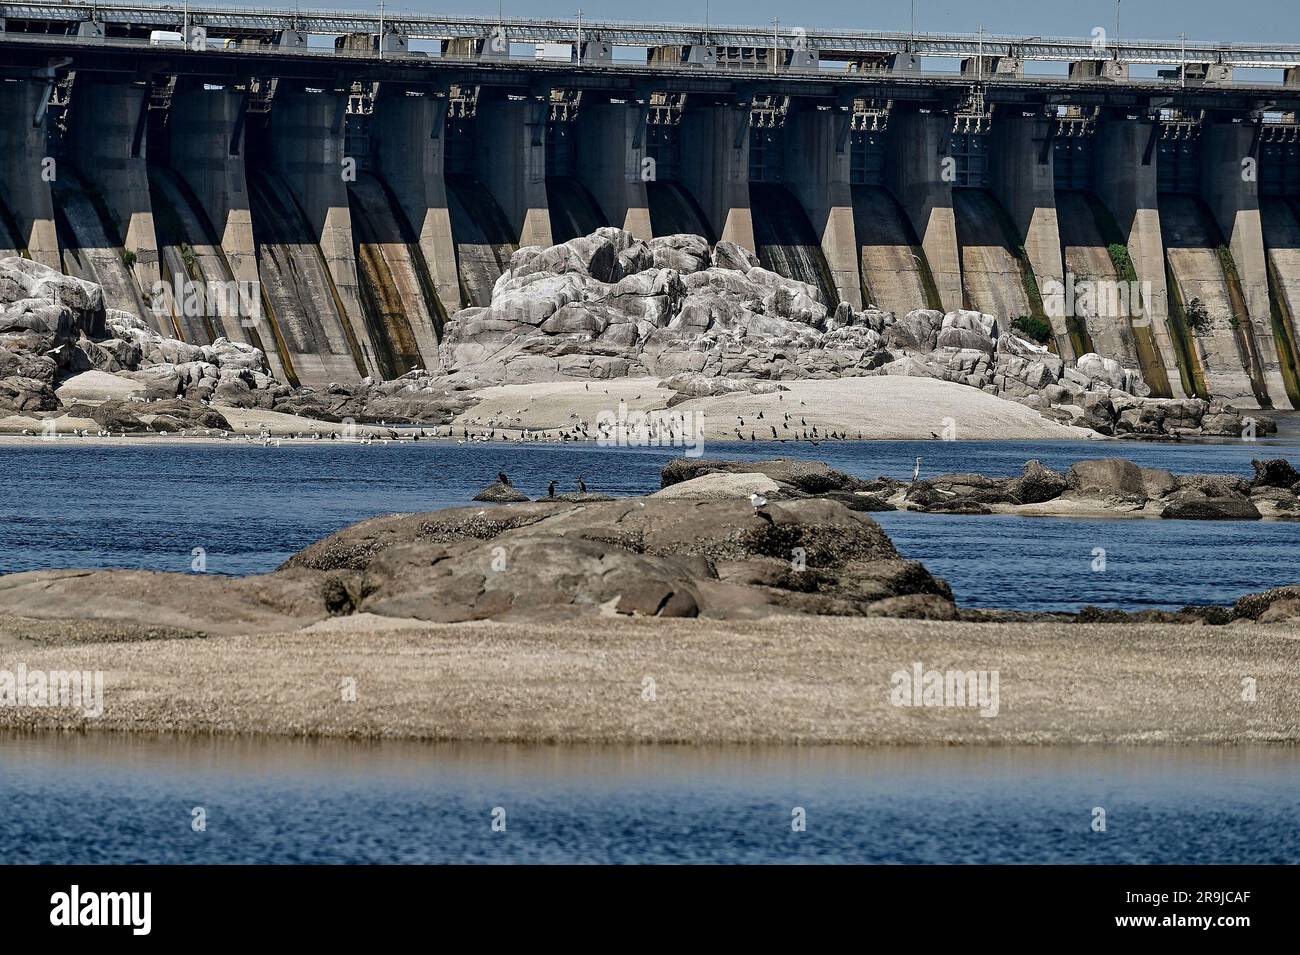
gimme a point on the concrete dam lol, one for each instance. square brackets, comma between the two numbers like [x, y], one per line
[363, 191]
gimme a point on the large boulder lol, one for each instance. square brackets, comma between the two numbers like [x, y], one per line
[729, 255]
[1107, 372]
[1118, 477]
[19, 395]
[1195, 505]
[1039, 483]
[37, 326]
[917, 331]
[25, 364]
[500, 493]
[972, 321]
[25, 280]
[810, 477]
[719, 486]
[187, 414]
[964, 338]
[655, 557]
[1277, 472]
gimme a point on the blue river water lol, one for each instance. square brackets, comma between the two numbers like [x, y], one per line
[250, 508]
[100, 799]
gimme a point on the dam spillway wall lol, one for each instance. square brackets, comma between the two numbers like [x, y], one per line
[92, 249]
[817, 170]
[1230, 185]
[107, 145]
[25, 197]
[1087, 235]
[916, 172]
[403, 314]
[901, 198]
[307, 153]
[1023, 180]
[715, 142]
[510, 160]
[409, 149]
[609, 158]
[206, 146]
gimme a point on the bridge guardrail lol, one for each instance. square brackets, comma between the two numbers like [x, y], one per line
[419, 57]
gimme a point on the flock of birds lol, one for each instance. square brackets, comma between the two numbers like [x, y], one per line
[669, 428]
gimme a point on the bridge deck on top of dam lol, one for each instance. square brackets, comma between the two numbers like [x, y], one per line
[846, 45]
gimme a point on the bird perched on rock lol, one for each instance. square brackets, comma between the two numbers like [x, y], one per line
[582, 486]
[916, 471]
[504, 478]
[760, 502]
[550, 490]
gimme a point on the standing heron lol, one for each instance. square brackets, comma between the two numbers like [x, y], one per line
[916, 470]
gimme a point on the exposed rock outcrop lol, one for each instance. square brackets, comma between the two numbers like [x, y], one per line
[499, 493]
[645, 556]
[715, 322]
[721, 558]
[1106, 485]
[707, 320]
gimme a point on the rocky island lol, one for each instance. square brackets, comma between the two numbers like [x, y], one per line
[759, 598]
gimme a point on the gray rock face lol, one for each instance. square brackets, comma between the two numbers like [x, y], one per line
[173, 415]
[654, 557]
[1275, 473]
[596, 307]
[498, 493]
[1038, 484]
[1118, 477]
[65, 306]
[809, 477]
[636, 556]
[1195, 505]
[188, 605]
[415, 398]
[21, 395]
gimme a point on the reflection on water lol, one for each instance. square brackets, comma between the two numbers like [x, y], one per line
[130, 799]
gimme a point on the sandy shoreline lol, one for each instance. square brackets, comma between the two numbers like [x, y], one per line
[877, 408]
[786, 681]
